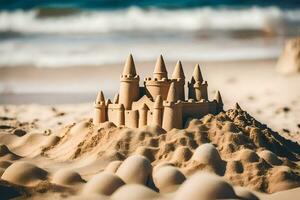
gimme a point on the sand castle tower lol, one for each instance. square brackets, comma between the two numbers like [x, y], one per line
[158, 111]
[219, 101]
[179, 79]
[100, 109]
[197, 87]
[172, 117]
[129, 86]
[143, 114]
[159, 84]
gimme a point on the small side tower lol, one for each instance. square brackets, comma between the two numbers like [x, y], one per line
[197, 87]
[129, 86]
[143, 114]
[157, 111]
[172, 117]
[159, 84]
[219, 101]
[100, 109]
[179, 79]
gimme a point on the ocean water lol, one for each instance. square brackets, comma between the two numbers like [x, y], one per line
[52, 33]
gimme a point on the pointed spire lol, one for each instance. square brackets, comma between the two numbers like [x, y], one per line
[197, 75]
[178, 71]
[129, 68]
[116, 98]
[172, 96]
[100, 97]
[144, 107]
[218, 97]
[237, 106]
[158, 103]
[160, 69]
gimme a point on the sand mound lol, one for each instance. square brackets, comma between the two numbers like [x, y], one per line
[207, 154]
[205, 186]
[181, 154]
[134, 192]
[24, 173]
[248, 155]
[270, 157]
[231, 144]
[66, 177]
[135, 169]
[104, 183]
[166, 177]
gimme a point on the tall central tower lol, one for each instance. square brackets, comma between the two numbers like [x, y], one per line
[159, 84]
[129, 86]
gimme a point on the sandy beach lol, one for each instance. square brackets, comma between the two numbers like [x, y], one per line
[50, 136]
[149, 100]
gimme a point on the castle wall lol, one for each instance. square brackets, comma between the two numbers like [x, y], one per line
[131, 118]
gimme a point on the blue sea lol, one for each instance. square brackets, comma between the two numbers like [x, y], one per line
[52, 33]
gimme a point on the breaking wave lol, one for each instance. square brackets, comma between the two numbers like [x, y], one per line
[138, 19]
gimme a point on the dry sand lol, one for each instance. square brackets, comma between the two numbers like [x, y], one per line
[56, 152]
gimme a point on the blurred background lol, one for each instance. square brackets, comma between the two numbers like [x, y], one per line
[64, 51]
[39, 37]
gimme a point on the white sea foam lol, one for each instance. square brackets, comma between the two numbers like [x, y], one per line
[136, 19]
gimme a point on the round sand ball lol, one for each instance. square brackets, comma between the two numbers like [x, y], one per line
[66, 177]
[270, 157]
[167, 176]
[248, 155]
[3, 150]
[162, 164]
[207, 154]
[182, 154]
[245, 194]
[205, 186]
[134, 192]
[113, 166]
[104, 183]
[24, 173]
[135, 169]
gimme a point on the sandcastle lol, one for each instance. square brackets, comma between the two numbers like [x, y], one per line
[161, 101]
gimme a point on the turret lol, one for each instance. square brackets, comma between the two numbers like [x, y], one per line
[129, 87]
[143, 114]
[100, 109]
[197, 87]
[160, 71]
[219, 101]
[179, 79]
[172, 117]
[157, 111]
[159, 84]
